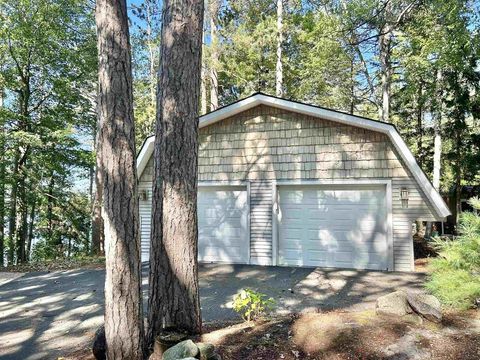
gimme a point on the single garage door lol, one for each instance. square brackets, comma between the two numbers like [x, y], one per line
[223, 224]
[333, 226]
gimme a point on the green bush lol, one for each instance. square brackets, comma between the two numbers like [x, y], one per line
[455, 273]
[251, 304]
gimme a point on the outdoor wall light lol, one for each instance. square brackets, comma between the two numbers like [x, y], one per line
[404, 197]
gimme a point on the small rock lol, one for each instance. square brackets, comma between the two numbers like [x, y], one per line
[207, 351]
[99, 347]
[426, 305]
[184, 349]
[395, 304]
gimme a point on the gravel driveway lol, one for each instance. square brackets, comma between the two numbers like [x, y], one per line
[46, 315]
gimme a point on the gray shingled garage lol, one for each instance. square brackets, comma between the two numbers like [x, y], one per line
[287, 183]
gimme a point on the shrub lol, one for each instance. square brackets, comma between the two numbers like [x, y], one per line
[455, 273]
[251, 304]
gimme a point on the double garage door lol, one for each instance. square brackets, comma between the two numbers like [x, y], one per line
[327, 226]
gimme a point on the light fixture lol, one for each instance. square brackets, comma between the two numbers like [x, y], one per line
[404, 197]
[144, 195]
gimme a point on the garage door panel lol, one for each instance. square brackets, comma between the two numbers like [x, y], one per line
[223, 225]
[343, 227]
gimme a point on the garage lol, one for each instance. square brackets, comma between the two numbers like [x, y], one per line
[344, 226]
[293, 184]
[223, 234]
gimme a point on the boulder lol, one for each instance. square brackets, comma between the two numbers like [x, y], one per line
[393, 304]
[426, 305]
[99, 347]
[182, 350]
[207, 351]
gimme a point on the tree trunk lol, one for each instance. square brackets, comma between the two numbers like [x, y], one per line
[437, 141]
[203, 82]
[22, 226]
[420, 127]
[173, 295]
[214, 4]
[279, 67]
[98, 235]
[123, 298]
[386, 69]
[458, 177]
[50, 203]
[30, 229]
[2, 188]
[12, 221]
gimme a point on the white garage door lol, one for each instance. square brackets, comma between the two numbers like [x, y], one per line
[333, 226]
[223, 224]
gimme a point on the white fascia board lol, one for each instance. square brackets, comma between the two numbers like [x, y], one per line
[335, 116]
[228, 111]
[144, 155]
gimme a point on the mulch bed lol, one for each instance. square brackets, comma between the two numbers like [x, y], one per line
[341, 336]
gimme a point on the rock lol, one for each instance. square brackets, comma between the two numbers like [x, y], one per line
[426, 305]
[184, 349]
[99, 347]
[207, 351]
[395, 304]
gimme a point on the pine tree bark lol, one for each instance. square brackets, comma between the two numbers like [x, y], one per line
[173, 295]
[123, 298]
[214, 7]
[279, 66]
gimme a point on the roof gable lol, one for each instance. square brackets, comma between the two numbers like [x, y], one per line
[261, 99]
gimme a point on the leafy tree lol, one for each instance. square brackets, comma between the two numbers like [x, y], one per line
[47, 65]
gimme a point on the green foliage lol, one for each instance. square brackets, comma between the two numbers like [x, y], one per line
[47, 76]
[251, 304]
[455, 276]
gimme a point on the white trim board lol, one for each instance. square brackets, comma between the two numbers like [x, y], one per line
[261, 99]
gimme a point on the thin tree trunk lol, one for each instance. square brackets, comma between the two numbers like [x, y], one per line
[420, 127]
[30, 229]
[2, 187]
[151, 51]
[12, 221]
[386, 71]
[352, 86]
[437, 141]
[458, 177]
[123, 297]
[279, 66]
[98, 235]
[173, 295]
[50, 200]
[203, 82]
[214, 5]
[22, 226]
